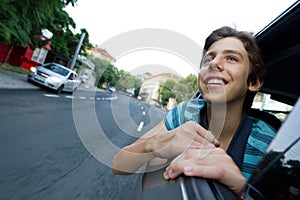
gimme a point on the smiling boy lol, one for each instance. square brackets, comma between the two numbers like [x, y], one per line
[211, 137]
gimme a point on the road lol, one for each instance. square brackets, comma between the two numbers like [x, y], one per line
[60, 146]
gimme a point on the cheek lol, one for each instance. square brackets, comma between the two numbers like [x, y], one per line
[241, 84]
[201, 74]
[200, 79]
[245, 79]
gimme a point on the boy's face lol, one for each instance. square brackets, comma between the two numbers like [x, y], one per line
[224, 72]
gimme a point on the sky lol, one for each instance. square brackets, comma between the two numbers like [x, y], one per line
[166, 35]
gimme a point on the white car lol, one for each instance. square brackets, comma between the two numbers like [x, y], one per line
[54, 76]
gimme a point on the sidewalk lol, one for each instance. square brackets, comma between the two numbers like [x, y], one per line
[12, 80]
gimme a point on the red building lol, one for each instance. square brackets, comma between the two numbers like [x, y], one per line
[25, 56]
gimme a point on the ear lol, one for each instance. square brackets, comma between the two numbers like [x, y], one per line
[254, 87]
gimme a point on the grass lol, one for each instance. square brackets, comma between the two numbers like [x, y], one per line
[11, 68]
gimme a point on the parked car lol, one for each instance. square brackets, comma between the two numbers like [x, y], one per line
[54, 76]
[278, 174]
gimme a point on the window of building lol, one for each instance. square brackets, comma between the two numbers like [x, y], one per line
[39, 55]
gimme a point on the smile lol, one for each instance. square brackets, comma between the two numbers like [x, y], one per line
[215, 82]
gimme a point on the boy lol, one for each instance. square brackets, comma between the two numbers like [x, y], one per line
[211, 137]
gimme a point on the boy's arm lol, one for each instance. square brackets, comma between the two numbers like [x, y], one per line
[130, 158]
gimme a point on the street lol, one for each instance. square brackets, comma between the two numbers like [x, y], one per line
[50, 144]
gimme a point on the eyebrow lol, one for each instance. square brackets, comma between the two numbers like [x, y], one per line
[229, 51]
[226, 51]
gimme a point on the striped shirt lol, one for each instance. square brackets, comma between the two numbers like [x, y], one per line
[257, 138]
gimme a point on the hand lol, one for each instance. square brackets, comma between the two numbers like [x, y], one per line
[171, 143]
[207, 162]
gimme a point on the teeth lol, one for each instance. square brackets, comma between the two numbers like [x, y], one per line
[215, 81]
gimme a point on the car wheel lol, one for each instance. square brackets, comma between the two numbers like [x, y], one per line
[29, 80]
[59, 90]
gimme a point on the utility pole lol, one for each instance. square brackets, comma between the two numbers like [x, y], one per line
[77, 51]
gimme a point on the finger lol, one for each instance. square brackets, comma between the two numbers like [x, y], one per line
[208, 135]
[187, 158]
[196, 145]
[173, 172]
[169, 172]
[203, 140]
[211, 172]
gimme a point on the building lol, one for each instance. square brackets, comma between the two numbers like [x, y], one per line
[25, 56]
[101, 53]
[149, 91]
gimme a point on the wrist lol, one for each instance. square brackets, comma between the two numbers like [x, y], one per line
[144, 147]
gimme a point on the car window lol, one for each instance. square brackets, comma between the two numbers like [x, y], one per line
[71, 76]
[264, 102]
[57, 69]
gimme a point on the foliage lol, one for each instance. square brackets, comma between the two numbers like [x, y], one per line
[24, 20]
[21, 23]
[192, 81]
[181, 90]
[126, 80]
[107, 72]
[166, 91]
[109, 75]
[100, 69]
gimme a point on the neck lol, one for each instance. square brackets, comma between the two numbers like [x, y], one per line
[223, 120]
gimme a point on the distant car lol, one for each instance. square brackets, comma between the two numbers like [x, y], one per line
[54, 76]
[112, 89]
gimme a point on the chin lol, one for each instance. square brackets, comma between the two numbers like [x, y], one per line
[217, 99]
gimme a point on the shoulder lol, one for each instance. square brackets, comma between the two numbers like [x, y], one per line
[261, 134]
[185, 111]
[259, 139]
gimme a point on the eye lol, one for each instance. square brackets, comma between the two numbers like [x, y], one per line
[232, 59]
[207, 59]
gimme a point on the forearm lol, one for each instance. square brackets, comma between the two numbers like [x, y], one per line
[131, 158]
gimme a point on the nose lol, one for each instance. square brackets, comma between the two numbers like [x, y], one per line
[216, 64]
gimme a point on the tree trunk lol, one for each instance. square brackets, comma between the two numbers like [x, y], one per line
[8, 54]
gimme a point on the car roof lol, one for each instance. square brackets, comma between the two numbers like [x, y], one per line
[279, 42]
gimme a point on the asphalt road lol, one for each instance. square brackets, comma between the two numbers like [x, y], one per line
[49, 145]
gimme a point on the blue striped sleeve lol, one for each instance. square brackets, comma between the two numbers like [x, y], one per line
[173, 117]
[183, 112]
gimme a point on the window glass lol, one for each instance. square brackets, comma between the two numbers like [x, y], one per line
[39, 55]
[264, 102]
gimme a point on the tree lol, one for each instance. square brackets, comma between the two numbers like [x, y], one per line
[127, 80]
[21, 23]
[181, 90]
[109, 75]
[192, 81]
[166, 91]
[186, 88]
[100, 67]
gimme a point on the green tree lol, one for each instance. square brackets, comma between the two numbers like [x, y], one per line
[100, 67]
[64, 41]
[181, 90]
[127, 80]
[21, 22]
[192, 81]
[109, 75]
[166, 91]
